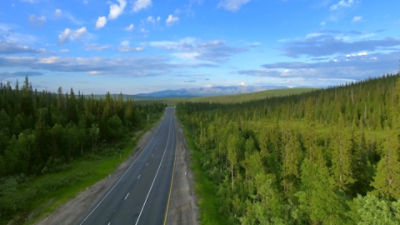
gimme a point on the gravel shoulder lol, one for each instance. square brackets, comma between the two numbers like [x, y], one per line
[74, 210]
[183, 208]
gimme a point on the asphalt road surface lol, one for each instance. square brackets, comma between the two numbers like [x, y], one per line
[141, 194]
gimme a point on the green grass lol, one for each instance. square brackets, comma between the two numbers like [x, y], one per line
[239, 98]
[78, 175]
[205, 189]
[37, 197]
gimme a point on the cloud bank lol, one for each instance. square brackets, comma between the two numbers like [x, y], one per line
[196, 50]
[330, 43]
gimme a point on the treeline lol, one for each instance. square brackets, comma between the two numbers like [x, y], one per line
[326, 157]
[40, 130]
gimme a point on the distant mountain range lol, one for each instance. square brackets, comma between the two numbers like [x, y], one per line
[205, 91]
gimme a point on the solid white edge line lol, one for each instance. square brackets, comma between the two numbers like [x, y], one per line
[152, 183]
[119, 180]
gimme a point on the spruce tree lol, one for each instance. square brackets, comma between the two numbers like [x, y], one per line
[341, 156]
[291, 159]
[232, 156]
[387, 179]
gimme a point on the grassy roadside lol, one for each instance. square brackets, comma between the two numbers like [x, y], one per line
[205, 188]
[42, 195]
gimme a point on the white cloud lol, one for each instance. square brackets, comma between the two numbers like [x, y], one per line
[58, 12]
[171, 19]
[37, 21]
[117, 9]
[79, 33]
[357, 54]
[101, 22]
[95, 72]
[64, 36]
[329, 43]
[150, 19]
[133, 66]
[49, 60]
[130, 27]
[71, 35]
[192, 50]
[180, 45]
[354, 66]
[96, 47]
[357, 19]
[342, 4]
[125, 46]
[232, 5]
[139, 5]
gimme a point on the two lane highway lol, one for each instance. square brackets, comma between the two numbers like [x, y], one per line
[140, 196]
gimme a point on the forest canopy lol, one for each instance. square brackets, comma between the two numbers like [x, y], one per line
[41, 129]
[330, 156]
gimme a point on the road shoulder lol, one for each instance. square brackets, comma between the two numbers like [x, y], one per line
[183, 208]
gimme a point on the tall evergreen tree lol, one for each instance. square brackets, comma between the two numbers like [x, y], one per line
[387, 179]
[291, 159]
[232, 156]
[341, 156]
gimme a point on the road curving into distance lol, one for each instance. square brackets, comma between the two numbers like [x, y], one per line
[140, 196]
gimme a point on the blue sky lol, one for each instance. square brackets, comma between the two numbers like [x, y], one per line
[136, 46]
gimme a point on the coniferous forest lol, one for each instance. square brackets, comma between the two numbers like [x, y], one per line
[330, 156]
[41, 131]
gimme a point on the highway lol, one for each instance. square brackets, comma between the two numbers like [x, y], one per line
[140, 196]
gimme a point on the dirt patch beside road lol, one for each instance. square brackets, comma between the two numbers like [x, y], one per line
[183, 208]
[74, 210]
